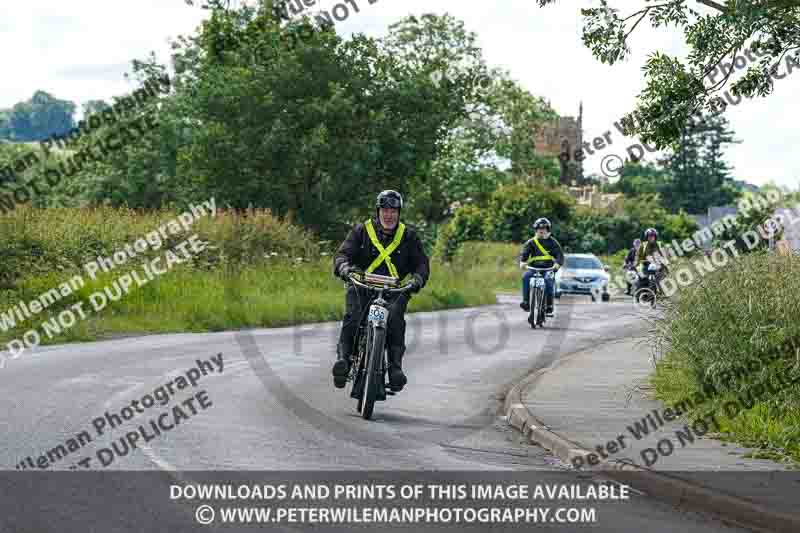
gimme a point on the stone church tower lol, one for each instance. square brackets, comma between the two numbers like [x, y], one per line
[561, 138]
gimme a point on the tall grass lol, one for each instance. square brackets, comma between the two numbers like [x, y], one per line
[257, 272]
[61, 240]
[494, 262]
[726, 323]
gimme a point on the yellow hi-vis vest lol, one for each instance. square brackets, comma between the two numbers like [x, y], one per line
[385, 253]
[542, 257]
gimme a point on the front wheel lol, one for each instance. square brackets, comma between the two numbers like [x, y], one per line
[374, 372]
[534, 303]
[540, 306]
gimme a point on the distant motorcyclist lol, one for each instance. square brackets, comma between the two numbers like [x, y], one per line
[381, 245]
[630, 262]
[542, 251]
[649, 252]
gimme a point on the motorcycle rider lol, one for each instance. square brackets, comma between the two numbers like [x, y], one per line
[542, 251]
[381, 245]
[650, 251]
[630, 262]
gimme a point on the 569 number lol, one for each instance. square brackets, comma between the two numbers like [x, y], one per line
[377, 314]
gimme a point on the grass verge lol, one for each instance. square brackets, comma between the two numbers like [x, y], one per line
[737, 330]
[281, 293]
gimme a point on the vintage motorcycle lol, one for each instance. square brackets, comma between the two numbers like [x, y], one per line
[370, 362]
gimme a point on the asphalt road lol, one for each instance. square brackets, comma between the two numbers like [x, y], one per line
[273, 407]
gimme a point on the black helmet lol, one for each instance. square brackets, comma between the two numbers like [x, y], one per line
[390, 199]
[650, 231]
[542, 223]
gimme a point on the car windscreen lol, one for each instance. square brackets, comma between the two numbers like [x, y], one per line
[588, 263]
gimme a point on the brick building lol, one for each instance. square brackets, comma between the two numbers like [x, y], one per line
[563, 136]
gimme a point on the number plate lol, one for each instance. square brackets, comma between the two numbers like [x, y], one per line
[538, 282]
[377, 314]
[584, 286]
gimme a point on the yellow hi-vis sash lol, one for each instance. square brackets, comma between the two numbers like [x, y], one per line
[542, 257]
[385, 253]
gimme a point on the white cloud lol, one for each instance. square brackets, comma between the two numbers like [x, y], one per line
[80, 50]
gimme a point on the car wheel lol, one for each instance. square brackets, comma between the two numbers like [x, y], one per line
[606, 297]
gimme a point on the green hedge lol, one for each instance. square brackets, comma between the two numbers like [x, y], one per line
[512, 209]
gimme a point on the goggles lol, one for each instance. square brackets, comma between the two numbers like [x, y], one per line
[390, 202]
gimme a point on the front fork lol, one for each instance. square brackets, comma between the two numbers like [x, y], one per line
[365, 351]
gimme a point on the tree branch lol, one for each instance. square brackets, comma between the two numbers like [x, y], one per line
[715, 5]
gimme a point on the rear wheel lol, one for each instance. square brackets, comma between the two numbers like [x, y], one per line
[374, 373]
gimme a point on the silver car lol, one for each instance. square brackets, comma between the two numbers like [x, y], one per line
[582, 274]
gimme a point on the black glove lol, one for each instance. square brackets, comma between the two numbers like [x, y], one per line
[416, 283]
[346, 269]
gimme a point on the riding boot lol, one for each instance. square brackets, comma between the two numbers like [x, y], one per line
[548, 303]
[341, 368]
[397, 380]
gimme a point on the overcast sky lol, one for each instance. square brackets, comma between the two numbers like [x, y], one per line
[80, 50]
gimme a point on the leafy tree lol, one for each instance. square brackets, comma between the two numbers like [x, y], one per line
[750, 220]
[521, 114]
[640, 178]
[606, 231]
[476, 152]
[700, 178]
[310, 127]
[39, 118]
[5, 131]
[467, 224]
[438, 51]
[94, 106]
[513, 208]
[716, 32]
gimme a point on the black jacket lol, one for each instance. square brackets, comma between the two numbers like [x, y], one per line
[408, 258]
[550, 244]
[631, 257]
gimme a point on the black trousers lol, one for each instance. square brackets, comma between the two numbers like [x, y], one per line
[356, 303]
[660, 276]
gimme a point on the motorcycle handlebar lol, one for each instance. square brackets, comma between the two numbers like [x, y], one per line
[540, 269]
[356, 282]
